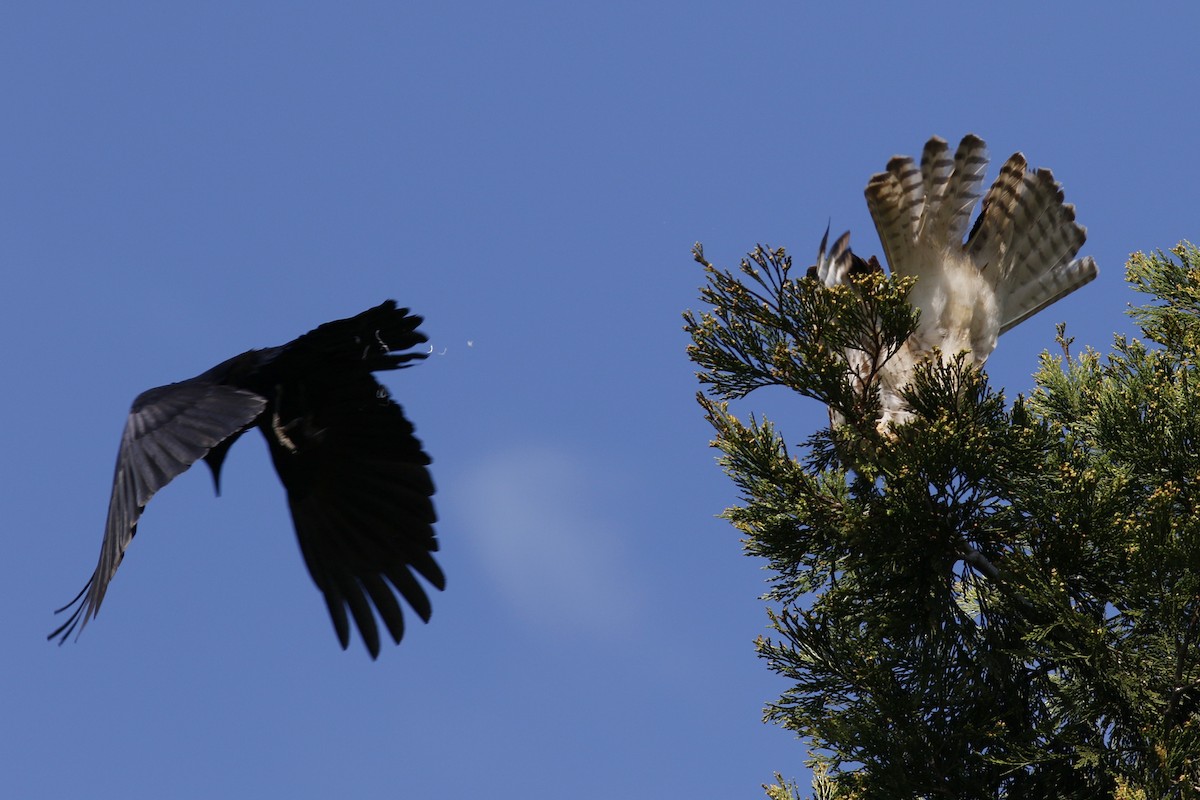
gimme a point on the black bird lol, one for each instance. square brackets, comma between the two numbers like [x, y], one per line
[356, 477]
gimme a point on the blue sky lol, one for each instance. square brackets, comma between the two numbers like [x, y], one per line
[181, 182]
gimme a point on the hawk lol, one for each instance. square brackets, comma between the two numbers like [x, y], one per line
[356, 477]
[1017, 259]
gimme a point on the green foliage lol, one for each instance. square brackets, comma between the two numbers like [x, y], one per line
[770, 328]
[994, 601]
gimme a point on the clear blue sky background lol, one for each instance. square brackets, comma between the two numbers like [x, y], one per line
[181, 182]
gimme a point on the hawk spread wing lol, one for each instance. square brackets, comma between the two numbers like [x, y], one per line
[1017, 259]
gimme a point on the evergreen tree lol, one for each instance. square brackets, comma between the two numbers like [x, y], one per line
[998, 600]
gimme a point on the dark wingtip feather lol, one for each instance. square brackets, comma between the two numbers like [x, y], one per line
[360, 609]
[387, 605]
[63, 632]
[337, 613]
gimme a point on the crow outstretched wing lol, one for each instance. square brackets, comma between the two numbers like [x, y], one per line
[360, 497]
[168, 429]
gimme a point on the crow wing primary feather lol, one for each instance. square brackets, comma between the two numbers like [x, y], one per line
[356, 476]
[169, 429]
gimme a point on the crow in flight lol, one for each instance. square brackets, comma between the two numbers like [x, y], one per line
[356, 477]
